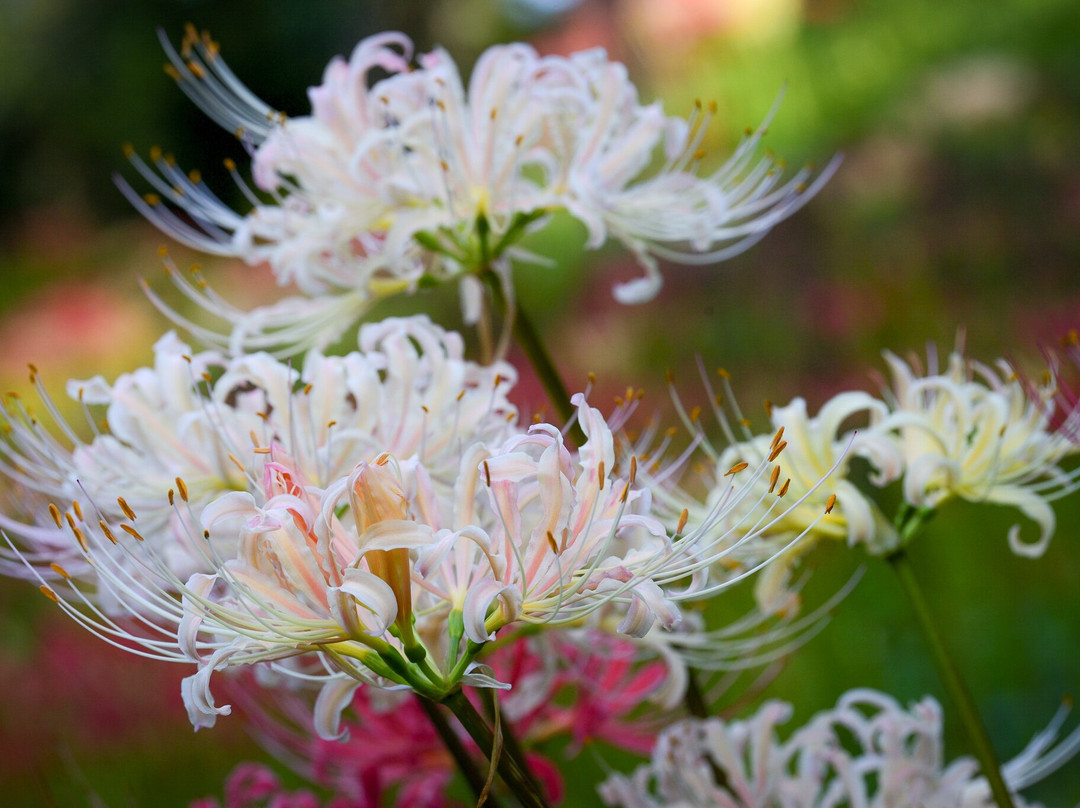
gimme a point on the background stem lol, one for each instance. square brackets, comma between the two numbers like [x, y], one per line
[532, 346]
[951, 679]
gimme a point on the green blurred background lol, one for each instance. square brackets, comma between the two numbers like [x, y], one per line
[957, 207]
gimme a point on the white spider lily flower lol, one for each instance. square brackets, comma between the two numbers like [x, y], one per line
[390, 579]
[404, 174]
[800, 452]
[199, 425]
[972, 431]
[867, 751]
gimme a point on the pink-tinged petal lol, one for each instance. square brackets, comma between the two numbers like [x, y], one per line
[229, 513]
[599, 444]
[333, 698]
[392, 534]
[374, 594]
[187, 634]
[478, 601]
[648, 605]
[195, 691]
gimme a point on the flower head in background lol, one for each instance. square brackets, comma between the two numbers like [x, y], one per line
[972, 431]
[196, 425]
[808, 459]
[866, 751]
[414, 177]
[1063, 386]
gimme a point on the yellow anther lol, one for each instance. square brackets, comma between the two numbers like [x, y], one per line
[130, 514]
[181, 486]
[600, 475]
[551, 543]
[63, 573]
[487, 474]
[152, 199]
[54, 512]
[131, 531]
[784, 487]
[736, 468]
[78, 510]
[777, 437]
[108, 533]
[830, 503]
[49, 593]
[230, 164]
[777, 450]
[683, 517]
[172, 501]
[774, 479]
[633, 468]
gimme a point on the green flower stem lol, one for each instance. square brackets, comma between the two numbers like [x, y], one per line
[530, 343]
[491, 706]
[452, 742]
[951, 679]
[514, 772]
[694, 699]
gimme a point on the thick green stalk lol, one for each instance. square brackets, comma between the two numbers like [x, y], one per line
[532, 345]
[457, 750]
[513, 771]
[951, 679]
[510, 741]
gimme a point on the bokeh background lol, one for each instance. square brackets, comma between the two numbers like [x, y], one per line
[957, 210]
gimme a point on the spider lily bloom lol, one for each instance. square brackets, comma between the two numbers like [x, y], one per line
[413, 177]
[800, 452]
[868, 751]
[971, 431]
[534, 533]
[199, 425]
[1061, 382]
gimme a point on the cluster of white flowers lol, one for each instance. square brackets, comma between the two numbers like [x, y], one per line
[381, 517]
[411, 177]
[966, 432]
[380, 507]
[198, 424]
[867, 751]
